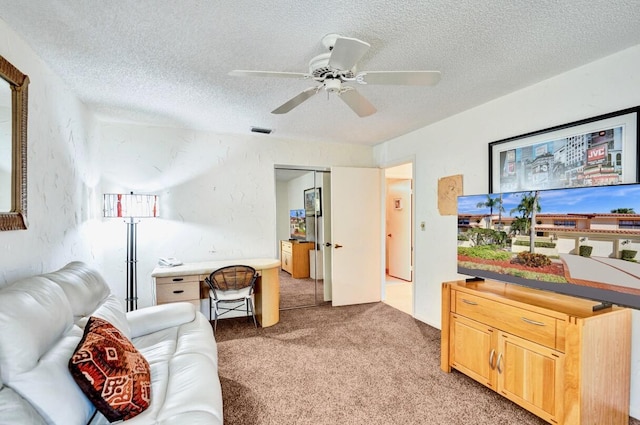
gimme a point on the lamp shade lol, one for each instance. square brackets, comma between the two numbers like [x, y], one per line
[130, 205]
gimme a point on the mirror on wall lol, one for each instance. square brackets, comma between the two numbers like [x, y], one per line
[13, 147]
[300, 237]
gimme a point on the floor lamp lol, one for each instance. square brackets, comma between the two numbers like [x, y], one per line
[131, 207]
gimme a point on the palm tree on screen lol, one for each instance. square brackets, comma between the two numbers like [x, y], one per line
[492, 203]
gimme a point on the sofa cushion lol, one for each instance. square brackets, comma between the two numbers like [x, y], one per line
[36, 314]
[89, 295]
[84, 287]
[110, 310]
[37, 339]
[111, 371]
[16, 410]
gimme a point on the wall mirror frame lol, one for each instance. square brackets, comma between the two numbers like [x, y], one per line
[16, 218]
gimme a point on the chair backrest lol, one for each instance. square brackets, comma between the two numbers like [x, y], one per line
[232, 278]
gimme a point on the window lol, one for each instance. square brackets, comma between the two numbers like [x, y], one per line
[564, 223]
[629, 224]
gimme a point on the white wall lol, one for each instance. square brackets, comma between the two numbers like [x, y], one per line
[459, 145]
[61, 181]
[217, 193]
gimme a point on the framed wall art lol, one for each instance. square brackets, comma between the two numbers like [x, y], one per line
[597, 151]
[313, 202]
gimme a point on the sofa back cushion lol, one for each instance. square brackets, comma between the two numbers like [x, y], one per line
[34, 313]
[37, 339]
[84, 287]
[89, 295]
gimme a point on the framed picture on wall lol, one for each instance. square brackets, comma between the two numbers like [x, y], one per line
[597, 151]
[313, 202]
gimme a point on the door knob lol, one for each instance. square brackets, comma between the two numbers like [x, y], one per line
[389, 235]
[338, 246]
[327, 244]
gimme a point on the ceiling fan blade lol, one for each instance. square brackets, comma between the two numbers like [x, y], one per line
[402, 78]
[295, 101]
[244, 73]
[347, 52]
[358, 103]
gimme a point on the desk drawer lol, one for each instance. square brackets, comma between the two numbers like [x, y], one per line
[514, 320]
[177, 279]
[179, 291]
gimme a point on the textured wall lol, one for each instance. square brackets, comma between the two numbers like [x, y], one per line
[459, 145]
[61, 180]
[217, 193]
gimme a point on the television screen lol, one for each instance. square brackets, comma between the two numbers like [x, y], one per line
[578, 241]
[297, 224]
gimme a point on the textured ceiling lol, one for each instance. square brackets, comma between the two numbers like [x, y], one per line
[166, 62]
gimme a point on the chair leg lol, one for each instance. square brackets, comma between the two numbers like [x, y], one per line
[215, 315]
[253, 314]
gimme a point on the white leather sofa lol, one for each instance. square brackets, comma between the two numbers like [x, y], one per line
[41, 323]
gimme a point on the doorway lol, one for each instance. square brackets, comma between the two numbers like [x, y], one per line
[302, 220]
[399, 287]
[344, 233]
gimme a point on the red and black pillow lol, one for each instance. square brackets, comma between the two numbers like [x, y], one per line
[111, 371]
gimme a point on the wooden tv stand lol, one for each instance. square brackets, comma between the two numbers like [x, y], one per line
[549, 353]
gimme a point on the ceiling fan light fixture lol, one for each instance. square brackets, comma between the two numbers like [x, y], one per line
[333, 85]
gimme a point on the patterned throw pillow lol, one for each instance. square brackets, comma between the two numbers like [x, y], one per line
[111, 371]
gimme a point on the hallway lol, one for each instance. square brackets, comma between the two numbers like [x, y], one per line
[399, 294]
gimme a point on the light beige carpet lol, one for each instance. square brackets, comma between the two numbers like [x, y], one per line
[299, 292]
[368, 364]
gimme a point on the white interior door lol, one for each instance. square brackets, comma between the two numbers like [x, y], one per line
[356, 271]
[399, 228]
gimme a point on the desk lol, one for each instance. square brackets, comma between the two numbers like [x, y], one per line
[188, 276]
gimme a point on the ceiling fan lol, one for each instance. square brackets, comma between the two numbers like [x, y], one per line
[335, 69]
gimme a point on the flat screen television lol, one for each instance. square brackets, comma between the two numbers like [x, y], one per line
[585, 241]
[297, 225]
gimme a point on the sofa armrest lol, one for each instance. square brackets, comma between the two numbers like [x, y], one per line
[155, 318]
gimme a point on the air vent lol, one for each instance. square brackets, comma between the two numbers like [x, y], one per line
[261, 130]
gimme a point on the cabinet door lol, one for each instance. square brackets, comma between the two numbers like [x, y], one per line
[472, 349]
[530, 375]
[287, 263]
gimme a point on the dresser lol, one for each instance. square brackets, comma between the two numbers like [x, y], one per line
[294, 258]
[549, 353]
